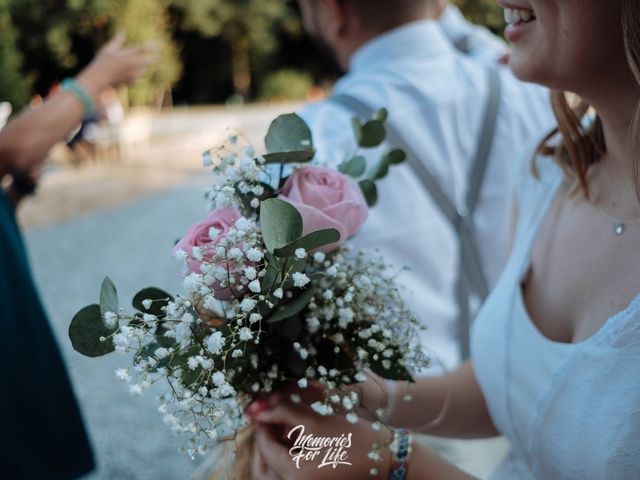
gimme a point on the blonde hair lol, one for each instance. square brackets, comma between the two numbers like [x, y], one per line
[582, 146]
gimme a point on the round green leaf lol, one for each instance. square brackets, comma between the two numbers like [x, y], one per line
[85, 331]
[373, 134]
[299, 156]
[281, 223]
[288, 133]
[381, 115]
[309, 242]
[370, 192]
[354, 167]
[159, 297]
[396, 156]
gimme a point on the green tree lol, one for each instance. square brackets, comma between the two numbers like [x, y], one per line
[71, 32]
[147, 20]
[483, 12]
[14, 86]
[249, 27]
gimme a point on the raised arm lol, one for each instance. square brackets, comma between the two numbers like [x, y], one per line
[26, 141]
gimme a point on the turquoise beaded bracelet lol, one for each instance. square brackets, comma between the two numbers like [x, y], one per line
[72, 86]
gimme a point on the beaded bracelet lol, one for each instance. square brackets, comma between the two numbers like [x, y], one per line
[72, 86]
[399, 467]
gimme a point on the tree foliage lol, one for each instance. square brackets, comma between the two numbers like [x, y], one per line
[72, 31]
[249, 27]
[14, 87]
[244, 41]
[483, 12]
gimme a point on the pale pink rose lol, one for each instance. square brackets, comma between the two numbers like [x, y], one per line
[199, 236]
[326, 199]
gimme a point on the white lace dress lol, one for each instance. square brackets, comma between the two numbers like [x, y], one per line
[570, 411]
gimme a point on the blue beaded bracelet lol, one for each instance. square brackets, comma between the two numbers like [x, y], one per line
[399, 467]
[72, 86]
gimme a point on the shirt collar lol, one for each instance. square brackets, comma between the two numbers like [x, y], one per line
[420, 39]
[454, 24]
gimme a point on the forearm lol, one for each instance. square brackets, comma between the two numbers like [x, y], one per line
[455, 398]
[425, 464]
[26, 141]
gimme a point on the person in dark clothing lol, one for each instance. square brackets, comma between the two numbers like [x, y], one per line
[42, 435]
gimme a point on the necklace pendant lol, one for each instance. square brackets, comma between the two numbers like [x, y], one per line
[618, 228]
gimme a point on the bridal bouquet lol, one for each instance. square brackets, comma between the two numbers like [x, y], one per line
[272, 293]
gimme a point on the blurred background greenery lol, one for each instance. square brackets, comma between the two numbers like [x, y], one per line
[212, 50]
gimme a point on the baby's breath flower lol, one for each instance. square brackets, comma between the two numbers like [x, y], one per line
[300, 280]
[255, 287]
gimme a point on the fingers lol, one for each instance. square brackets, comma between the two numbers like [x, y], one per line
[260, 469]
[256, 407]
[273, 454]
[116, 43]
[282, 414]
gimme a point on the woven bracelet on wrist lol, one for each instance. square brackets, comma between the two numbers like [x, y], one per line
[399, 467]
[72, 86]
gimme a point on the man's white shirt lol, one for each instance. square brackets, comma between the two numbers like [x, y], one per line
[436, 98]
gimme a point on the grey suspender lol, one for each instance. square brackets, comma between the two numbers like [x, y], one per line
[470, 277]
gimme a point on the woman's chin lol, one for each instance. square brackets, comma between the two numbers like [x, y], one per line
[524, 69]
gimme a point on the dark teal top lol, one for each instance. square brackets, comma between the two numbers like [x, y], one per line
[41, 431]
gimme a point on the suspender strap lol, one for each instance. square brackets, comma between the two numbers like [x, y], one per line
[470, 278]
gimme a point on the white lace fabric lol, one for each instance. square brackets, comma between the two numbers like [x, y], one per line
[571, 411]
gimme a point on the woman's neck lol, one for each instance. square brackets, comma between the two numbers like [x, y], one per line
[612, 180]
[616, 102]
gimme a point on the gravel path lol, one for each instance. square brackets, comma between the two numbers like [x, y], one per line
[132, 246]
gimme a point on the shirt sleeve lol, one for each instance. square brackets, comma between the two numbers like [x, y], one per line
[333, 137]
[478, 42]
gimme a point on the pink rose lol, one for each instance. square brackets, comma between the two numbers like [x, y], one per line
[326, 199]
[199, 236]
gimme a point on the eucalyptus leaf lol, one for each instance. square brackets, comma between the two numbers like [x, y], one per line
[272, 273]
[299, 156]
[309, 242]
[380, 171]
[356, 125]
[108, 297]
[373, 134]
[332, 355]
[370, 192]
[354, 167]
[85, 330]
[381, 115]
[288, 133]
[159, 297]
[292, 327]
[292, 308]
[281, 223]
[396, 156]
[290, 361]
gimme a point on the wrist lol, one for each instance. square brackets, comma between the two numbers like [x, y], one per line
[92, 81]
[400, 454]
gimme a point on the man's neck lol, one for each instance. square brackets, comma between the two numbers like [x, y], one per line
[431, 11]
